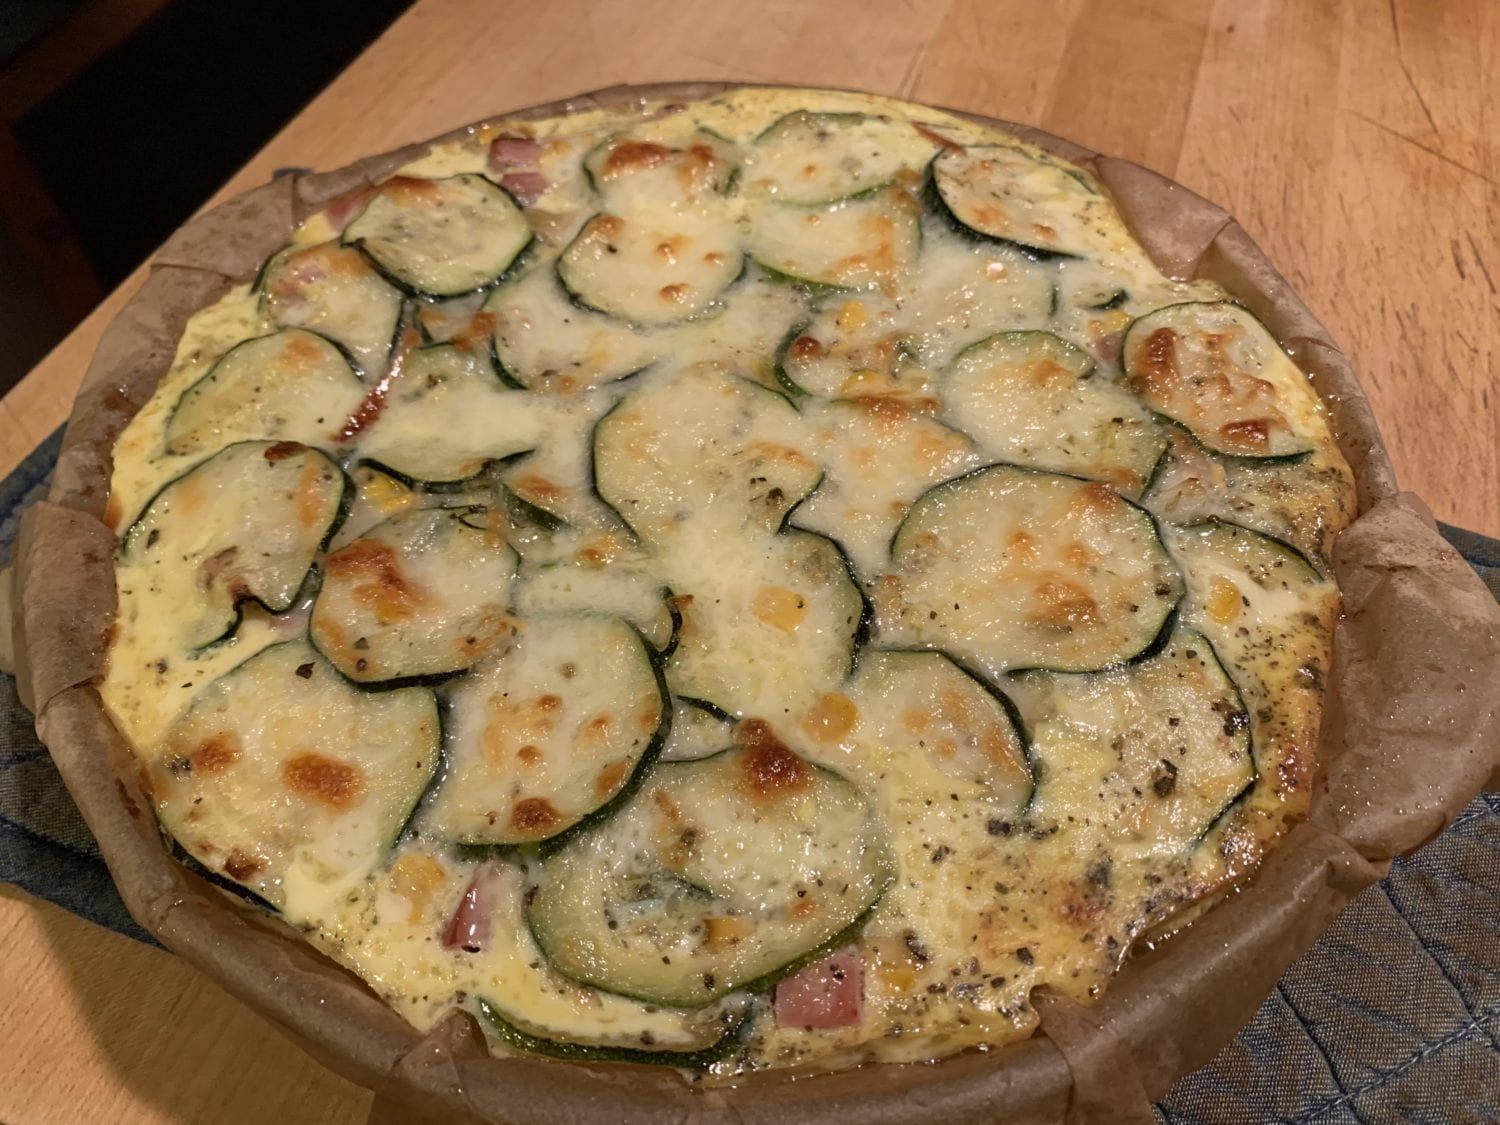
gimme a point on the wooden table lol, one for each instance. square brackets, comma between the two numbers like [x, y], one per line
[1357, 140]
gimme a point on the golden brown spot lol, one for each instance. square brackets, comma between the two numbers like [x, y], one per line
[534, 814]
[1060, 604]
[851, 316]
[416, 878]
[1156, 370]
[215, 754]
[547, 703]
[804, 348]
[611, 777]
[281, 450]
[1251, 434]
[1079, 555]
[411, 191]
[607, 226]
[667, 807]
[301, 351]
[1223, 601]
[804, 908]
[1047, 373]
[669, 248]
[633, 156]
[378, 583]
[1024, 546]
[779, 608]
[674, 294]
[242, 866]
[1097, 497]
[336, 784]
[597, 728]
[723, 930]
[769, 767]
[649, 715]
[476, 332]
[528, 755]
[830, 718]
[312, 509]
[714, 258]
[945, 143]
[113, 513]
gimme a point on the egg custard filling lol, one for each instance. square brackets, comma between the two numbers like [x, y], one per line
[768, 582]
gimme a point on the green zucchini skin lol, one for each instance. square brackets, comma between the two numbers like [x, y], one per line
[471, 848]
[1314, 571]
[725, 1047]
[793, 389]
[310, 580]
[938, 206]
[222, 882]
[873, 870]
[1163, 632]
[524, 513]
[445, 487]
[417, 290]
[1127, 366]
[995, 692]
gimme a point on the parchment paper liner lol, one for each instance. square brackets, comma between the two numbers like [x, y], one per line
[1409, 736]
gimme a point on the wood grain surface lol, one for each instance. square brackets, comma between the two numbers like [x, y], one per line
[1357, 140]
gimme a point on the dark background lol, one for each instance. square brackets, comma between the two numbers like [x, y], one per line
[119, 118]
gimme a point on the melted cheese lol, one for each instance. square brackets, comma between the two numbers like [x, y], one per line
[1032, 828]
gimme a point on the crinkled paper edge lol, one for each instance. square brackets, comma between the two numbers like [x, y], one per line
[1403, 748]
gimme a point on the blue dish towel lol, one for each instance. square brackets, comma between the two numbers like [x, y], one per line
[1394, 1016]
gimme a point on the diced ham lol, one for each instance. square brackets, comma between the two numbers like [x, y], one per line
[527, 187]
[826, 994]
[341, 209]
[469, 928]
[507, 153]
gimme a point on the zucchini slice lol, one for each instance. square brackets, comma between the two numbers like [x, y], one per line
[242, 526]
[651, 267]
[552, 730]
[440, 238]
[623, 590]
[723, 874]
[525, 1005]
[292, 782]
[416, 598]
[1005, 194]
[332, 290]
[289, 386]
[1154, 752]
[846, 348]
[765, 625]
[865, 242]
[811, 157]
[544, 342]
[1034, 399]
[446, 418]
[1211, 366]
[1016, 568]
[942, 726]
[700, 447]
[879, 456]
[635, 175]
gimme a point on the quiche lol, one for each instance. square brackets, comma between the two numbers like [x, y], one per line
[762, 583]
